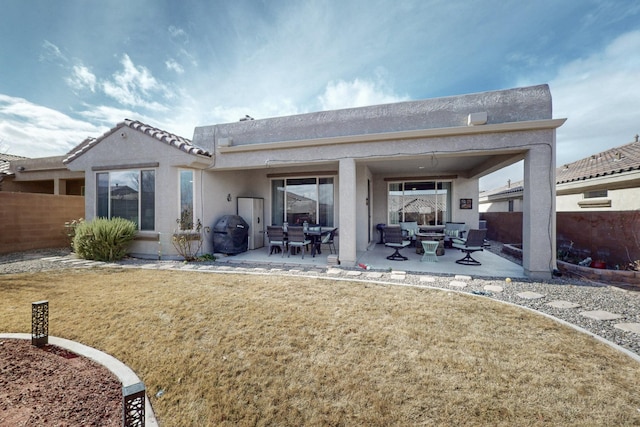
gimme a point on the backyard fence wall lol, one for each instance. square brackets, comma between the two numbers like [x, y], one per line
[613, 237]
[36, 221]
[505, 227]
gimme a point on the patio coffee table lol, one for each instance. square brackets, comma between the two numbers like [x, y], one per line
[439, 237]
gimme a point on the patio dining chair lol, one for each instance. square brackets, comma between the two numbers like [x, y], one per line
[328, 240]
[473, 243]
[395, 240]
[297, 239]
[276, 238]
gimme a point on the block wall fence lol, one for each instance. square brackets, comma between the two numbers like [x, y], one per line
[36, 221]
[611, 236]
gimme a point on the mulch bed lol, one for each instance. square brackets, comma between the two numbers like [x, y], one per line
[53, 386]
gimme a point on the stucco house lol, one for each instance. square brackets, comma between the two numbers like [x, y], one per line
[606, 181]
[347, 168]
[5, 167]
[603, 182]
[508, 198]
[45, 175]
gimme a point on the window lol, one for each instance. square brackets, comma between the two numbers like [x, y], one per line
[186, 200]
[426, 202]
[299, 200]
[595, 194]
[510, 205]
[128, 194]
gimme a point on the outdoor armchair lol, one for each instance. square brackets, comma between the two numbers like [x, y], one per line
[409, 230]
[473, 243]
[395, 240]
[453, 231]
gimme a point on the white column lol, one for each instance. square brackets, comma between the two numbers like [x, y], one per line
[539, 211]
[347, 211]
[59, 186]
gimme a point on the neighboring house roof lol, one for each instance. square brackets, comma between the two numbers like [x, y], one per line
[422, 205]
[159, 134]
[509, 189]
[5, 162]
[617, 160]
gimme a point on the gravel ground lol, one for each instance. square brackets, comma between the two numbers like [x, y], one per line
[591, 296]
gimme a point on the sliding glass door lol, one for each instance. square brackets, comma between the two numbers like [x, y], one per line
[299, 200]
[425, 202]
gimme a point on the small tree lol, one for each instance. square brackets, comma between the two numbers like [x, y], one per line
[70, 230]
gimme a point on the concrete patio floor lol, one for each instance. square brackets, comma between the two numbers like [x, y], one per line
[376, 257]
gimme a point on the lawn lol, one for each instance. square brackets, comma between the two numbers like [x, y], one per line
[228, 349]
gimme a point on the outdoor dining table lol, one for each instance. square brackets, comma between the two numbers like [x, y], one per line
[316, 239]
[315, 236]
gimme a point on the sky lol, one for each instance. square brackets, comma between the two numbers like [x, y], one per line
[73, 69]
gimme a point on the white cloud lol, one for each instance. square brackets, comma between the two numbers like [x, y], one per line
[177, 32]
[32, 130]
[135, 86]
[599, 96]
[51, 52]
[109, 116]
[358, 93]
[82, 78]
[173, 65]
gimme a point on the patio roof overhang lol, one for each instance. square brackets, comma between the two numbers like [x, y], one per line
[468, 161]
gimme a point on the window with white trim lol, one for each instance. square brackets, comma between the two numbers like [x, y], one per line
[425, 202]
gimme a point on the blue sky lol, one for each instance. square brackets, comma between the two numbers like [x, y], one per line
[73, 69]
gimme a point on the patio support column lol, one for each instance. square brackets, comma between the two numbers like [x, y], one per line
[347, 211]
[539, 211]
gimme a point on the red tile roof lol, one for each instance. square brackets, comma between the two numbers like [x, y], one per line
[159, 134]
[5, 160]
[621, 159]
[616, 160]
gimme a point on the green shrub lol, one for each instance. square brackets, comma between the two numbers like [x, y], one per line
[104, 239]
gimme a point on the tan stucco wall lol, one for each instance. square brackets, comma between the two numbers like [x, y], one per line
[626, 199]
[128, 147]
[519, 126]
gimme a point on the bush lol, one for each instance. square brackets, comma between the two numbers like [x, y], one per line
[104, 239]
[189, 242]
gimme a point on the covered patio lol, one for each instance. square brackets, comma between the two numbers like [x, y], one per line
[414, 162]
[376, 257]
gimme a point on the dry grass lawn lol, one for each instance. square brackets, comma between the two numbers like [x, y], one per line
[231, 349]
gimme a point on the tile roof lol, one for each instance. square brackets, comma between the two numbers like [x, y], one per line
[176, 141]
[624, 158]
[5, 162]
[512, 187]
[418, 204]
[621, 159]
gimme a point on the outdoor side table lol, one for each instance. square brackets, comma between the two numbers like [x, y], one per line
[437, 237]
